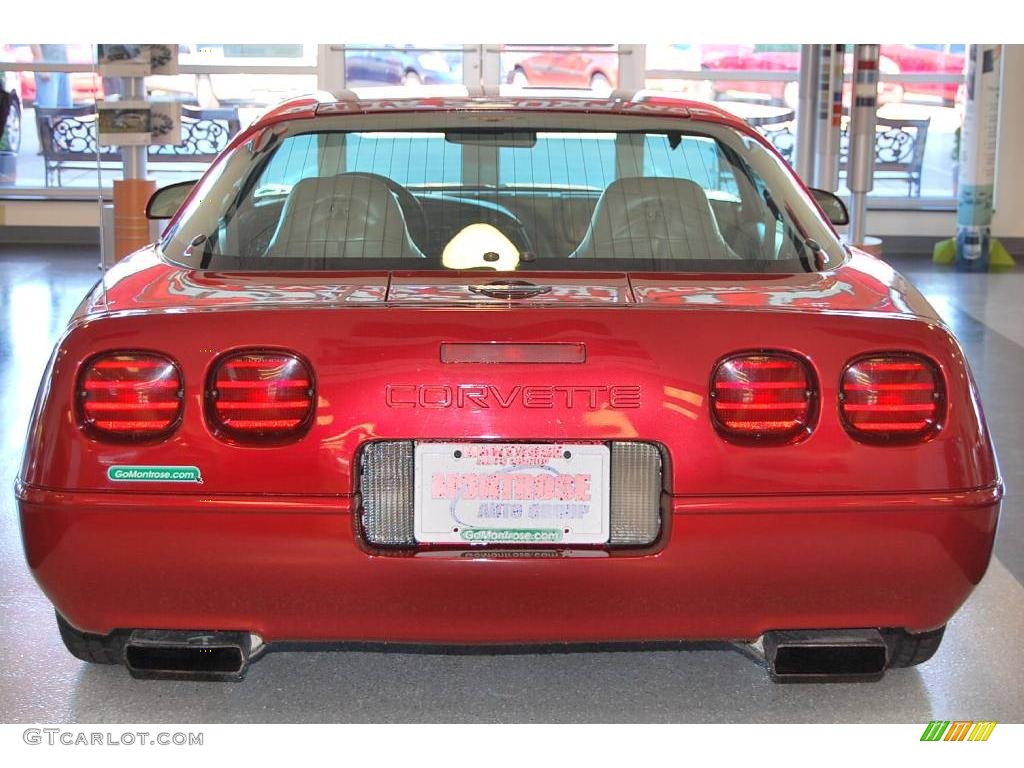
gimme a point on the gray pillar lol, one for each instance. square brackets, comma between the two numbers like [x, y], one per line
[490, 66]
[472, 67]
[830, 113]
[330, 68]
[632, 67]
[806, 112]
[134, 158]
[860, 174]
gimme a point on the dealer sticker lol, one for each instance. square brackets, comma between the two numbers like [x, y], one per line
[154, 474]
[512, 493]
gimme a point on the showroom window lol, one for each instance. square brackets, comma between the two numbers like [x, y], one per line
[920, 105]
[380, 65]
[920, 110]
[50, 144]
[593, 67]
[55, 154]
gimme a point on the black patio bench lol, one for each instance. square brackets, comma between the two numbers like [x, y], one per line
[67, 136]
[899, 147]
[899, 151]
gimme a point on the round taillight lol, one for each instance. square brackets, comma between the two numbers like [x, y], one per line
[260, 396]
[130, 396]
[895, 397]
[763, 397]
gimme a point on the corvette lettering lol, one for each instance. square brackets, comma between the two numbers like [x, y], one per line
[478, 396]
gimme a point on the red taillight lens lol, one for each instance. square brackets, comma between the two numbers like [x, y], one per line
[130, 396]
[894, 397]
[764, 397]
[261, 396]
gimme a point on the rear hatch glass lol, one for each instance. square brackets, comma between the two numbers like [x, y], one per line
[512, 192]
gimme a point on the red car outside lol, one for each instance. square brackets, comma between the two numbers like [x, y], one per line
[604, 374]
[570, 66]
[895, 59]
[944, 59]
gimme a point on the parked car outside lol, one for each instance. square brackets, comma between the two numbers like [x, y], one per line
[595, 67]
[938, 58]
[370, 64]
[894, 60]
[237, 89]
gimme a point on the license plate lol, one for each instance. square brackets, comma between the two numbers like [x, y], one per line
[512, 493]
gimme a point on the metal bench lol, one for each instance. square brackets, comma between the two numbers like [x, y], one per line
[899, 147]
[899, 150]
[67, 136]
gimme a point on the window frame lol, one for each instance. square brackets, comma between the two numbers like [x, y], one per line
[328, 68]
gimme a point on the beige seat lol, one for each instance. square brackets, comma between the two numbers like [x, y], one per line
[344, 216]
[653, 218]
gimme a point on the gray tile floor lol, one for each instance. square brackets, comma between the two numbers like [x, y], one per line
[977, 674]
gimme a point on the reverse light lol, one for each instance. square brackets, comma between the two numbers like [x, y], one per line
[130, 396]
[260, 396]
[895, 397]
[763, 397]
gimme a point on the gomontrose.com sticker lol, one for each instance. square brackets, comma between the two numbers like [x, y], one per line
[145, 474]
[510, 535]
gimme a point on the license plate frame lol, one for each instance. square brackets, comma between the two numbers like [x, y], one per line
[470, 493]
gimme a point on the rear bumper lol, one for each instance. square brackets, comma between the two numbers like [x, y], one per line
[293, 569]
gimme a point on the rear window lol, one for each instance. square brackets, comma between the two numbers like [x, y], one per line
[515, 192]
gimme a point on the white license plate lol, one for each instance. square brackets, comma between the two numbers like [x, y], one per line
[512, 493]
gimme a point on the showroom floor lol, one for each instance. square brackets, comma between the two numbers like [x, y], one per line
[978, 673]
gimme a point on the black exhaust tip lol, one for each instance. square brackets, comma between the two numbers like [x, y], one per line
[162, 654]
[822, 656]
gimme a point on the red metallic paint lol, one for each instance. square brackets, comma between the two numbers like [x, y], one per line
[358, 350]
[290, 568]
[809, 535]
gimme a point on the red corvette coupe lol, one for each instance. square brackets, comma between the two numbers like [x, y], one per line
[491, 371]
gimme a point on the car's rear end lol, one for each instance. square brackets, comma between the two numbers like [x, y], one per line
[385, 449]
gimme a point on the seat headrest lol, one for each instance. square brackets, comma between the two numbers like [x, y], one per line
[343, 216]
[653, 218]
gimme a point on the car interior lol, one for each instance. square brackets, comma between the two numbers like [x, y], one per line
[708, 207]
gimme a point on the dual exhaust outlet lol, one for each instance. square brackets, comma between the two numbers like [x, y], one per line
[822, 656]
[812, 656]
[168, 654]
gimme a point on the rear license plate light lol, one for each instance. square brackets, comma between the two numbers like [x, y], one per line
[609, 494]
